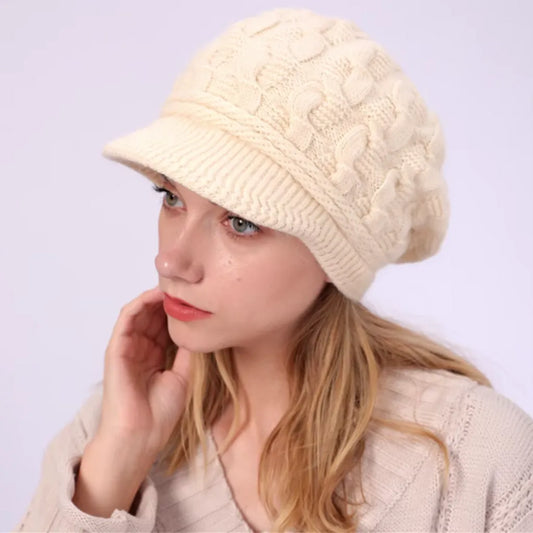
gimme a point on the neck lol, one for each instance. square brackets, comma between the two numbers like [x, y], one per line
[263, 394]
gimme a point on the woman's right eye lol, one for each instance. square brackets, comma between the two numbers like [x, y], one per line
[167, 197]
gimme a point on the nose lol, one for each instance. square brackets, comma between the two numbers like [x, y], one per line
[180, 254]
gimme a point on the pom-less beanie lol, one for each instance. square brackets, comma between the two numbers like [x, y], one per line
[302, 123]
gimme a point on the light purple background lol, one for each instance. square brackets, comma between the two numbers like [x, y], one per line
[78, 233]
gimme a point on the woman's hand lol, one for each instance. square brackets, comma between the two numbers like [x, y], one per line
[141, 404]
[141, 400]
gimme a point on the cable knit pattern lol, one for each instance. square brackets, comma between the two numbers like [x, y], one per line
[353, 154]
[490, 440]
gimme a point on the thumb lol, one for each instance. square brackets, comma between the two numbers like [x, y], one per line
[182, 366]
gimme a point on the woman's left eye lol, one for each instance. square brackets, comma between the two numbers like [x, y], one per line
[237, 234]
[245, 223]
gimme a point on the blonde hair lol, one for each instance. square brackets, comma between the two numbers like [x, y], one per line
[338, 351]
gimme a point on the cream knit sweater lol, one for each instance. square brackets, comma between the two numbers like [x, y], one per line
[491, 480]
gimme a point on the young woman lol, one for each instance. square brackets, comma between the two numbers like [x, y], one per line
[251, 390]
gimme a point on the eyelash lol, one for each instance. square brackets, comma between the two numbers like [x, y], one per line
[230, 217]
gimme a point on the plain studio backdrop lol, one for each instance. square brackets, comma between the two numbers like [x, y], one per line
[79, 233]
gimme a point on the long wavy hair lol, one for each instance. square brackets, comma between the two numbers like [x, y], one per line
[338, 352]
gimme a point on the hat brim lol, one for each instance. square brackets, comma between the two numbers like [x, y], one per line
[237, 176]
[215, 165]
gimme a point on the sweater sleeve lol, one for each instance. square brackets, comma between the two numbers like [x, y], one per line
[51, 508]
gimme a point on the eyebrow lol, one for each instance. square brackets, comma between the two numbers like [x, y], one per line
[170, 182]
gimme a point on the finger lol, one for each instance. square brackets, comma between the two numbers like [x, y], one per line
[125, 322]
[153, 296]
[130, 310]
[162, 337]
[182, 366]
[143, 316]
[150, 320]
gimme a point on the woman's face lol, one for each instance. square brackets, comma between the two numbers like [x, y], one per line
[255, 281]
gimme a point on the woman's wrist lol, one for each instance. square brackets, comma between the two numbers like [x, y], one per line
[110, 474]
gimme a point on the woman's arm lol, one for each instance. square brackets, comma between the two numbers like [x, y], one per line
[52, 508]
[109, 476]
[91, 478]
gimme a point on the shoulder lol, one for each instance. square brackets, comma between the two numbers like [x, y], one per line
[445, 398]
[429, 397]
[489, 439]
[491, 442]
[465, 412]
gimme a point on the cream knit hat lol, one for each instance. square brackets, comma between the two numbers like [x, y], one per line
[303, 124]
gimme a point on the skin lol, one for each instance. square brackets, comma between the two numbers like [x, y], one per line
[256, 282]
[256, 285]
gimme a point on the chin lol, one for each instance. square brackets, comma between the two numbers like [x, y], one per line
[191, 344]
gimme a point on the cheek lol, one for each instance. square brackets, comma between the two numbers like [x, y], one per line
[283, 280]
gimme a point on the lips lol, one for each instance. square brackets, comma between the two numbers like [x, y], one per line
[183, 302]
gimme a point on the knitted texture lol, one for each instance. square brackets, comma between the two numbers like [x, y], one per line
[303, 124]
[490, 441]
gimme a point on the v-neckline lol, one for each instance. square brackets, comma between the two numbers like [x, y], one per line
[222, 472]
[402, 391]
